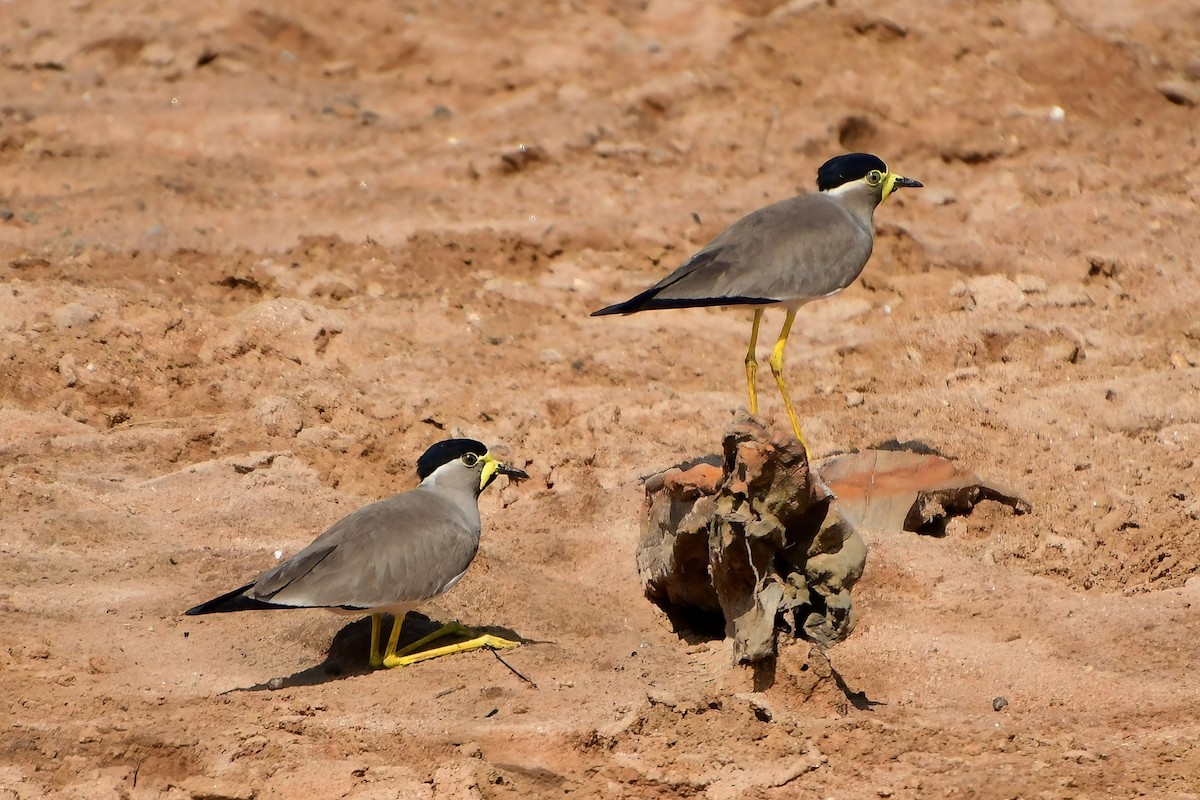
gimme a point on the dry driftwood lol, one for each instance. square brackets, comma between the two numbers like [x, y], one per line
[756, 539]
[755, 536]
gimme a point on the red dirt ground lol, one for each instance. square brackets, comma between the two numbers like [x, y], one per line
[254, 259]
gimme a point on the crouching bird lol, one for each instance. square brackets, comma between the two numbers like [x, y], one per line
[391, 556]
[786, 254]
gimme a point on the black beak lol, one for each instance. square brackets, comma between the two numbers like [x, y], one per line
[909, 183]
[512, 472]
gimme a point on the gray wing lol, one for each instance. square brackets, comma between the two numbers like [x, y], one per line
[801, 248]
[407, 548]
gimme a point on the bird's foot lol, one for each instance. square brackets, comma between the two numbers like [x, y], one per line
[407, 656]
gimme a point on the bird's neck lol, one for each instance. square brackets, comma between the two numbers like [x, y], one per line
[860, 205]
[457, 494]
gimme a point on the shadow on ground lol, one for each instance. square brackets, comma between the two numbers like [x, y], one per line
[347, 653]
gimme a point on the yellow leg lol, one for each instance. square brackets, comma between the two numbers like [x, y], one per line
[393, 639]
[486, 640]
[777, 371]
[376, 658]
[752, 362]
[402, 658]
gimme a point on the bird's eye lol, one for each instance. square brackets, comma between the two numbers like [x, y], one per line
[470, 459]
[874, 177]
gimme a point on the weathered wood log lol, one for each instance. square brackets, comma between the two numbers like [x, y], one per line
[756, 537]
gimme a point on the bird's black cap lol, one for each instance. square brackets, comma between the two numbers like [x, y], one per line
[445, 452]
[843, 169]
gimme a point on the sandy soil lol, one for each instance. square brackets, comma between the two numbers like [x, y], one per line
[254, 261]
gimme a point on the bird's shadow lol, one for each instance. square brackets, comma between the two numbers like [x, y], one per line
[347, 653]
[858, 699]
[765, 676]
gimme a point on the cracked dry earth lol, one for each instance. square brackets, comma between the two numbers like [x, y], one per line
[254, 259]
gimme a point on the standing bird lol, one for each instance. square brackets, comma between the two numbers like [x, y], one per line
[788, 254]
[391, 556]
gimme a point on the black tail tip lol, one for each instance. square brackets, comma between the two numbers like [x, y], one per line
[619, 308]
[230, 601]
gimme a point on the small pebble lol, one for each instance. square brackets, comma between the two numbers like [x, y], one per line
[940, 196]
[334, 68]
[157, 54]
[73, 315]
[998, 703]
[67, 371]
[1031, 284]
[1180, 93]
